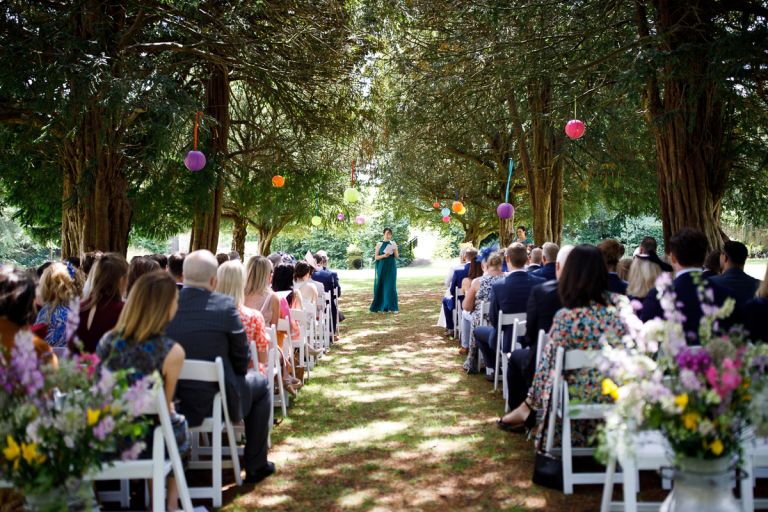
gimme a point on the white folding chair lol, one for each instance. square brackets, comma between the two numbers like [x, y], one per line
[328, 327]
[485, 309]
[504, 320]
[560, 407]
[157, 468]
[335, 303]
[457, 300]
[518, 329]
[302, 318]
[215, 425]
[275, 372]
[755, 464]
[542, 341]
[285, 327]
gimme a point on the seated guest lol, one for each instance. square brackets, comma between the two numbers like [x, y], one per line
[756, 311]
[89, 262]
[739, 285]
[282, 281]
[648, 245]
[222, 258]
[330, 280]
[462, 262]
[207, 325]
[686, 253]
[480, 291]
[612, 252]
[161, 260]
[57, 293]
[230, 280]
[475, 271]
[534, 259]
[138, 267]
[543, 303]
[643, 273]
[17, 311]
[276, 258]
[458, 277]
[585, 317]
[465, 321]
[712, 266]
[100, 311]
[302, 282]
[234, 256]
[509, 296]
[176, 268]
[549, 256]
[138, 343]
[310, 259]
[622, 269]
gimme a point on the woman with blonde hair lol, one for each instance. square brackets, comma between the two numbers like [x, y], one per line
[479, 291]
[138, 342]
[643, 272]
[57, 295]
[230, 280]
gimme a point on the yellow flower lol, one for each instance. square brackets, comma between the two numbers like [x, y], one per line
[610, 388]
[691, 420]
[11, 451]
[29, 452]
[681, 400]
[716, 447]
[93, 416]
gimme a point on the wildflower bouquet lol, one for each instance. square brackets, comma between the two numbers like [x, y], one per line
[700, 397]
[58, 424]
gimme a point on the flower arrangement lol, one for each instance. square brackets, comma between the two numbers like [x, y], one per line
[56, 424]
[700, 397]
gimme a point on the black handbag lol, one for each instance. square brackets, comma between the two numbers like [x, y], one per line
[548, 471]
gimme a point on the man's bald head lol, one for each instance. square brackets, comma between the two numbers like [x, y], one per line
[200, 269]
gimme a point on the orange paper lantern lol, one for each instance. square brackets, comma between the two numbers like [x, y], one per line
[278, 181]
[457, 206]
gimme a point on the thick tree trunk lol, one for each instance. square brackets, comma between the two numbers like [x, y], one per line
[685, 109]
[507, 232]
[96, 213]
[266, 235]
[239, 232]
[206, 223]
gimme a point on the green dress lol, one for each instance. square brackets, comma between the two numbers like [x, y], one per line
[385, 286]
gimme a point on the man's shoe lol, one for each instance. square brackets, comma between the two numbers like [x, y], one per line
[463, 351]
[489, 377]
[261, 474]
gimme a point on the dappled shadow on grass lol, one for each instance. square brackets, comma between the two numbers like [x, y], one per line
[389, 421]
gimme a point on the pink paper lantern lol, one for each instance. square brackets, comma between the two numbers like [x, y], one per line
[360, 220]
[447, 218]
[575, 128]
[505, 211]
[194, 161]
[340, 216]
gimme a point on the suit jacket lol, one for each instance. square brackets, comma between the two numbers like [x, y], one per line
[754, 313]
[330, 280]
[207, 325]
[533, 267]
[616, 284]
[543, 303]
[547, 272]
[687, 294]
[458, 276]
[738, 284]
[511, 296]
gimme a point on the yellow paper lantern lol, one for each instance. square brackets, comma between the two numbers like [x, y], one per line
[316, 220]
[351, 195]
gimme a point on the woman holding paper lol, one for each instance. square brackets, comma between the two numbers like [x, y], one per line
[384, 286]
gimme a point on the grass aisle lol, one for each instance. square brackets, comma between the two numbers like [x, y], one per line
[389, 421]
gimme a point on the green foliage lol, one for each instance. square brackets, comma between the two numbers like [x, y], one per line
[600, 225]
[16, 247]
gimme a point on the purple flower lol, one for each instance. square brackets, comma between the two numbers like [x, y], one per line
[104, 428]
[134, 451]
[695, 359]
[689, 380]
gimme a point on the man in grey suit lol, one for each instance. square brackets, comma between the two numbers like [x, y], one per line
[207, 325]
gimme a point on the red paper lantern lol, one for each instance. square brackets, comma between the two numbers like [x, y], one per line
[436, 204]
[457, 206]
[505, 211]
[278, 181]
[575, 128]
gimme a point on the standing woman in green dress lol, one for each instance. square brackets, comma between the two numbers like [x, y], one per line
[385, 286]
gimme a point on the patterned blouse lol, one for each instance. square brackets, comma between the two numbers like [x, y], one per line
[484, 293]
[116, 353]
[253, 322]
[576, 329]
[56, 319]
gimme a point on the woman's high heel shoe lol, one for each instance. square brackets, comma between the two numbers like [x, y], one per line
[522, 426]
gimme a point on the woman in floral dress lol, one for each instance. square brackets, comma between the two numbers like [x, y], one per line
[480, 291]
[586, 317]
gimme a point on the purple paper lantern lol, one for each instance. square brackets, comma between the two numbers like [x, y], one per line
[575, 128]
[340, 216]
[194, 161]
[505, 211]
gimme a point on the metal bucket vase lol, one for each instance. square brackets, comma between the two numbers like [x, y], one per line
[74, 496]
[702, 486]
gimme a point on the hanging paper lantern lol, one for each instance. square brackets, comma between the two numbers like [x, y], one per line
[463, 210]
[278, 181]
[436, 204]
[316, 220]
[574, 129]
[351, 195]
[194, 161]
[340, 216]
[360, 219]
[445, 212]
[456, 206]
[447, 218]
[505, 211]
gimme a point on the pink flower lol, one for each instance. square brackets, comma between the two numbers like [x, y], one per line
[728, 381]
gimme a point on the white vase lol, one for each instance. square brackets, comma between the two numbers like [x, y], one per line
[702, 486]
